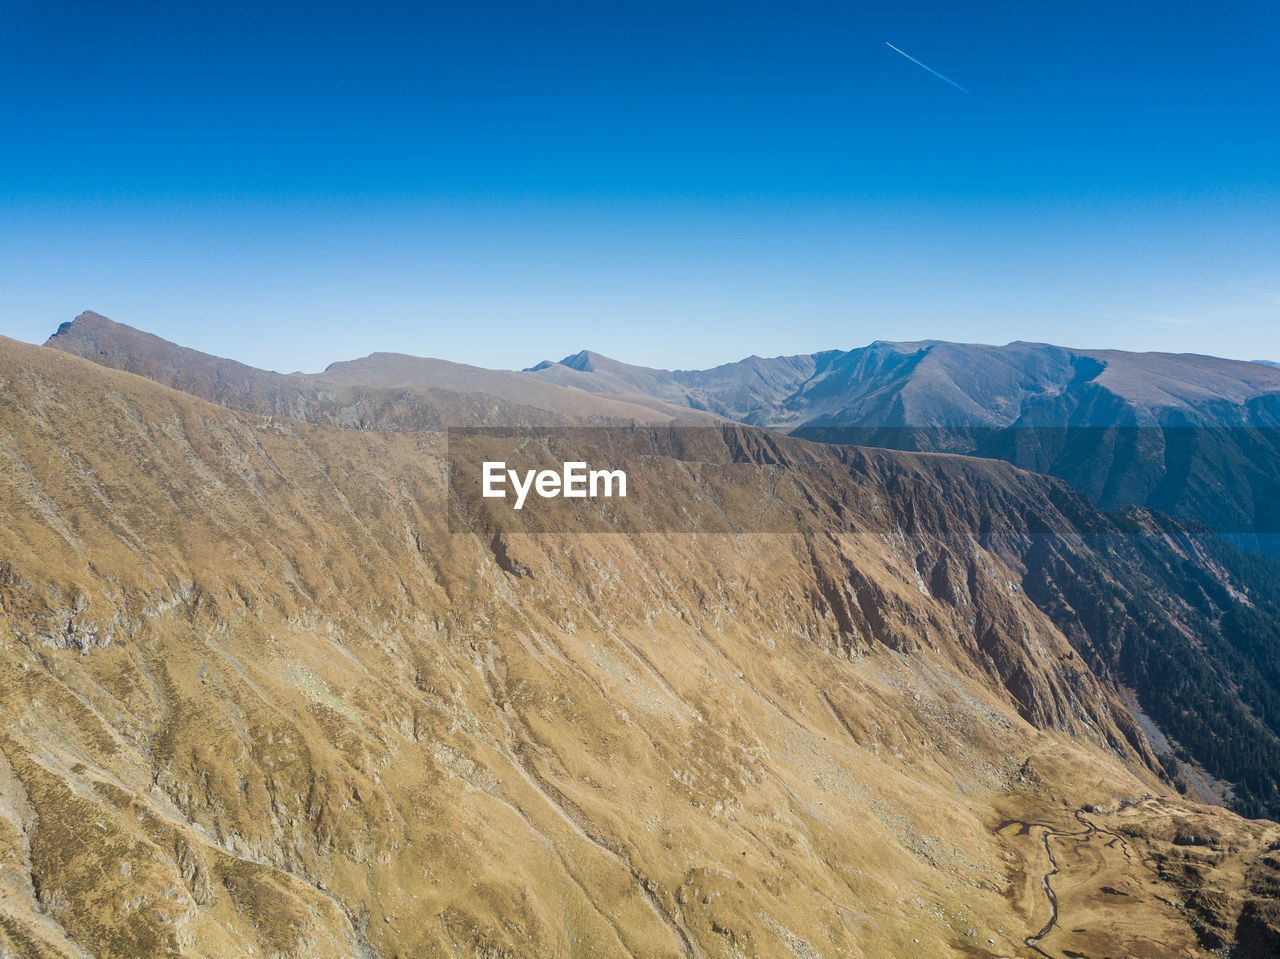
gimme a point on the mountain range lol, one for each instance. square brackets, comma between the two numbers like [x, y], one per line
[939, 384]
[260, 697]
[1192, 436]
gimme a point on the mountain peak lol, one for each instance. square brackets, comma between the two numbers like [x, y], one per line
[585, 361]
[88, 319]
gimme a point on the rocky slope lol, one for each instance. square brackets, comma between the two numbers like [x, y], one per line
[258, 699]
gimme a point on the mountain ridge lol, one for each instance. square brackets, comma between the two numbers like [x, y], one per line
[1232, 381]
[434, 394]
[1127, 429]
[1205, 377]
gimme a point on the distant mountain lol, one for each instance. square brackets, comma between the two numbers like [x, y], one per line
[385, 390]
[751, 391]
[939, 384]
[1194, 436]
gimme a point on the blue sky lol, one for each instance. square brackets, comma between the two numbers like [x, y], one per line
[672, 184]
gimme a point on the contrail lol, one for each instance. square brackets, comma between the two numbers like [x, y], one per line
[929, 68]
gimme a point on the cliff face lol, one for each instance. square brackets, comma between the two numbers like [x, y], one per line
[258, 699]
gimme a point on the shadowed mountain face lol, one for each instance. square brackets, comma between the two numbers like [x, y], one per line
[1192, 436]
[259, 699]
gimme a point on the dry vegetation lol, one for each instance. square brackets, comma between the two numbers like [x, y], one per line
[256, 700]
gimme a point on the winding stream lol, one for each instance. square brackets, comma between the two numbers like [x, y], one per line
[1051, 832]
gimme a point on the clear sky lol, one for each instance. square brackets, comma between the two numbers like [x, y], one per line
[673, 184]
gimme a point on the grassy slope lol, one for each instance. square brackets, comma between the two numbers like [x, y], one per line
[324, 726]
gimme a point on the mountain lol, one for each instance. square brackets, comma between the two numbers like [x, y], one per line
[748, 391]
[387, 391]
[262, 697]
[939, 384]
[1192, 436]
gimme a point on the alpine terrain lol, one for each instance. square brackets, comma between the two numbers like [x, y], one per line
[269, 686]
